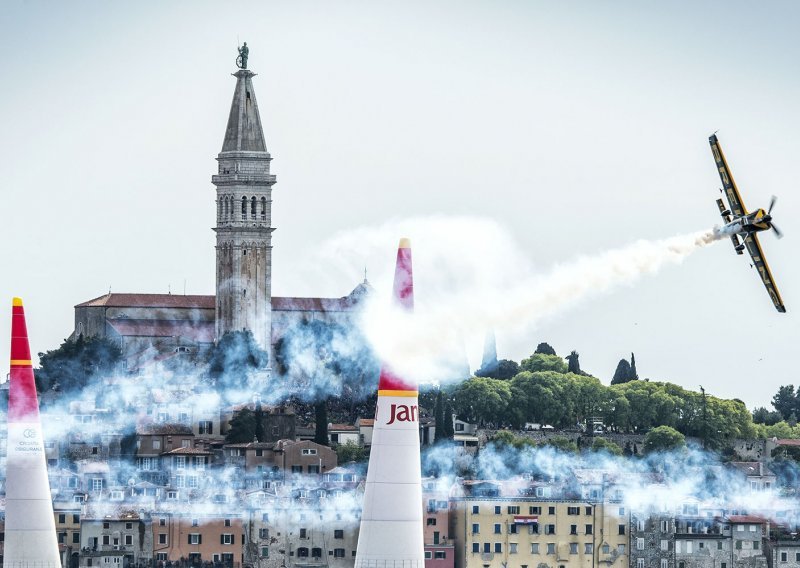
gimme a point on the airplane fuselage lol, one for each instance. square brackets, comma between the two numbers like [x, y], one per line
[746, 224]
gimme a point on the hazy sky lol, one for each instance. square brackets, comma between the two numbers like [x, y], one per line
[574, 127]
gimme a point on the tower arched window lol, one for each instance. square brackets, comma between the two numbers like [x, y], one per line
[227, 208]
[244, 209]
[263, 208]
[253, 208]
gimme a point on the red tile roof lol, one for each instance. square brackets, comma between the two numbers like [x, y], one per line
[151, 301]
[746, 519]
[186, 451]
[201, 332]
[341, 427]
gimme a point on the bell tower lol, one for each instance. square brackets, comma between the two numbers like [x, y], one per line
[244, 219]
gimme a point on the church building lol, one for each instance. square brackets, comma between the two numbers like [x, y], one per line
[152, 327]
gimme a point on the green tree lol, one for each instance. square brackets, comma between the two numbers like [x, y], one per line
[604, 445]
[258, 419]
[350, 452]
[543, 362]
[480, 399]
[763, 416]
[545, 349]
[540, 397]
[505, 370]
[662, 439]
[633, 376]
[448, 418]
[75, 364]
[321, 422]
[438, 417]
[234, 357]
[562, 443]
[623, 372]
[573, 365]
[785, 401]
[242, 427]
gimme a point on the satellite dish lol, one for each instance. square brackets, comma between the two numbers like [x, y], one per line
[131, 482]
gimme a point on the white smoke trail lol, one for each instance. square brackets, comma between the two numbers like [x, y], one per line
[466, 285]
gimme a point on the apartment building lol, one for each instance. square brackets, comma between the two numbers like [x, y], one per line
[114, 541]
[439, 545]
[211, 537]
[503, 528]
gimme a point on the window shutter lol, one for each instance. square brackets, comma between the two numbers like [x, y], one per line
[222, 539]
[189, 539]
[199, 539]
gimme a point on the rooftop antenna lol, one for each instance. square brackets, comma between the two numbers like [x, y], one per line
[169, 289]
[184, 286]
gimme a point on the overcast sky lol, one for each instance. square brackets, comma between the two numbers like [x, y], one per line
[575, 127]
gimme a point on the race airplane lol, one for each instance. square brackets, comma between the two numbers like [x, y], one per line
[741, 224]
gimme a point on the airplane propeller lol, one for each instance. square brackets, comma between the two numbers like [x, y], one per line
[778, 232]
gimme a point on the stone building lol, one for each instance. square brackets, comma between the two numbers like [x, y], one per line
[120, 540]
[157, 327]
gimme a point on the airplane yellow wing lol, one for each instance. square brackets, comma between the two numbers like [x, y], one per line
[754, 248]
[731, 192]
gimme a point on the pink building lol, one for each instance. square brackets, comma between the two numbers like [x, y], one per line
[439, 550]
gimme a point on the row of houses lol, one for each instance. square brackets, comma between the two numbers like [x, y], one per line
[584, 521]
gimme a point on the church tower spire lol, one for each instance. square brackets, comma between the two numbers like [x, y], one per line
[244, 219]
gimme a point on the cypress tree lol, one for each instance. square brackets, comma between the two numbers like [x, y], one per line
[633, 376]
[623, 372]
[321, 426]
[438, 416]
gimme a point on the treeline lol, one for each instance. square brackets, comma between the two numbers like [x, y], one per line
[545, 391]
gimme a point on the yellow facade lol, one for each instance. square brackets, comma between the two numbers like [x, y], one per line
[528, 532]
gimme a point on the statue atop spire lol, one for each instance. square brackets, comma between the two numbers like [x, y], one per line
[241, 61]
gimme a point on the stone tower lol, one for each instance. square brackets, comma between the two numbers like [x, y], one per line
[244, 218]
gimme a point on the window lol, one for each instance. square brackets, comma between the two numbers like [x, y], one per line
[195, 538]
[497, 510]
[172, 495]
[512, 510]
[309, 452]
[753, 528]
[640, 525]
[62, 518]
[797, 556]
[338, 533]
[156, 444]
[573, 529]
[475, 509]
[128, 540]
[535, 510]
[440, 554]
[512, 548]
[533, 528]
[573, 510]
[688, 547]
[303, 533]
[587, 548]
[497, 528]
[740, 528]
[701, 545]
[428, 555]
[606, 549]
[664, 563]
[589, 529]
[476, 547]
[756, 544]
[302, 552]
[76, 518]
[534, 548]
[195, 522]
[664, 526]
[665, 544]
[719, 547]
[682, 564]
[226, 538]
[549, 529]
[588, 510]
[265, 552]
[551, 548]
[621, 549]
[573, 548]
[621, 529]
[297, 469]
[512, 528]
[639, 544]
[784, 556]
[180, 462]
[430, 521]
[205, 427]
[338, 552]
[97, 484]
[621, 511]
[128, 526]
[76, 538]
[498, 547]
[162, 538]
[106, 539]
[227, 522]
[476, 528]
[551, 510]
[162, 522]
[640, 563]
[678, 546]
[200, 462]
